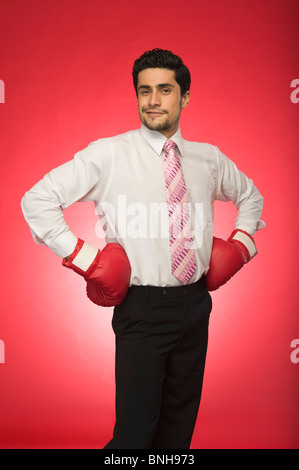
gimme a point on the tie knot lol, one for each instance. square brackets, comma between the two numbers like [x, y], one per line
[169, 144]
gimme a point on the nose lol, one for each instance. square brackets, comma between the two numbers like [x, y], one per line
[154, 98]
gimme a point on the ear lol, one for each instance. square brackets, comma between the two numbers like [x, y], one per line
[185, 99]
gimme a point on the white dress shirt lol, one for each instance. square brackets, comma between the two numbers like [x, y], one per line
[124, 176]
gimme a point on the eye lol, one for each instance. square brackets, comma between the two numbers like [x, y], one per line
[165, 90]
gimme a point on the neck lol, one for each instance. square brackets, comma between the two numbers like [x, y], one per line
[168, 133]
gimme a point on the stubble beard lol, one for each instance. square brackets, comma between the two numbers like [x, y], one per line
[159, 126]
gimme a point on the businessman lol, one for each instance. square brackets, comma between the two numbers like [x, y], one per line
[154, 192]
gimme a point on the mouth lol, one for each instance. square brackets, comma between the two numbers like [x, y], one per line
[153, 113]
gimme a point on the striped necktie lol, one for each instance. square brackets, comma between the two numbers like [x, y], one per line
[183, 261]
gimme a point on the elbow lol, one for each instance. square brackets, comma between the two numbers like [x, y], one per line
[25, 204]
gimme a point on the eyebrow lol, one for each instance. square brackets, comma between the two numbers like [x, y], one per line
[160, 85]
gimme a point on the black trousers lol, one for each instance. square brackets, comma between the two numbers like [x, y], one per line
[161, 343]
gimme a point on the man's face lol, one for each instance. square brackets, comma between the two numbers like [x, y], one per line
[159, 100]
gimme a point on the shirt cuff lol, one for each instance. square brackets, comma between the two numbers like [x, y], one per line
[64, 244]
[251, 229]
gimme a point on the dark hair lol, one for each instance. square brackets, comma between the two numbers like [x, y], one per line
[161, 58]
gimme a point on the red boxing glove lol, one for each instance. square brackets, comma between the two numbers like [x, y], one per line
[106, 272]
[228, 257]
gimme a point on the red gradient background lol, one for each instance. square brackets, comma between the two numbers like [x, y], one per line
[66, 66]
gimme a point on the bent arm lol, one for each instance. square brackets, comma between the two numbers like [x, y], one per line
[235, 186]
[43, 204]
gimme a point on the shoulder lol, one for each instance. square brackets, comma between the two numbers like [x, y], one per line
[106, 145]
[120, 139]
[201, 150]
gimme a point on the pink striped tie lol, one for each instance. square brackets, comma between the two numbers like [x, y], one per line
[183, 261]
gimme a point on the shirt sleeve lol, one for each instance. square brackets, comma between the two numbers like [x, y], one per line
[43, 205]
[235, 186]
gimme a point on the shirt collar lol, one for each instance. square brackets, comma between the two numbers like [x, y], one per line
[157, 140]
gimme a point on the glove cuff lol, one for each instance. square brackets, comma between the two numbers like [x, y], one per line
[245, 242]
[82, 259]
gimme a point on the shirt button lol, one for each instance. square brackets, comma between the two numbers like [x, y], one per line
[184, 291]
[164, 291]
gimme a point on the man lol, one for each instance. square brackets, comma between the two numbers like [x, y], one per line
[154, 192]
